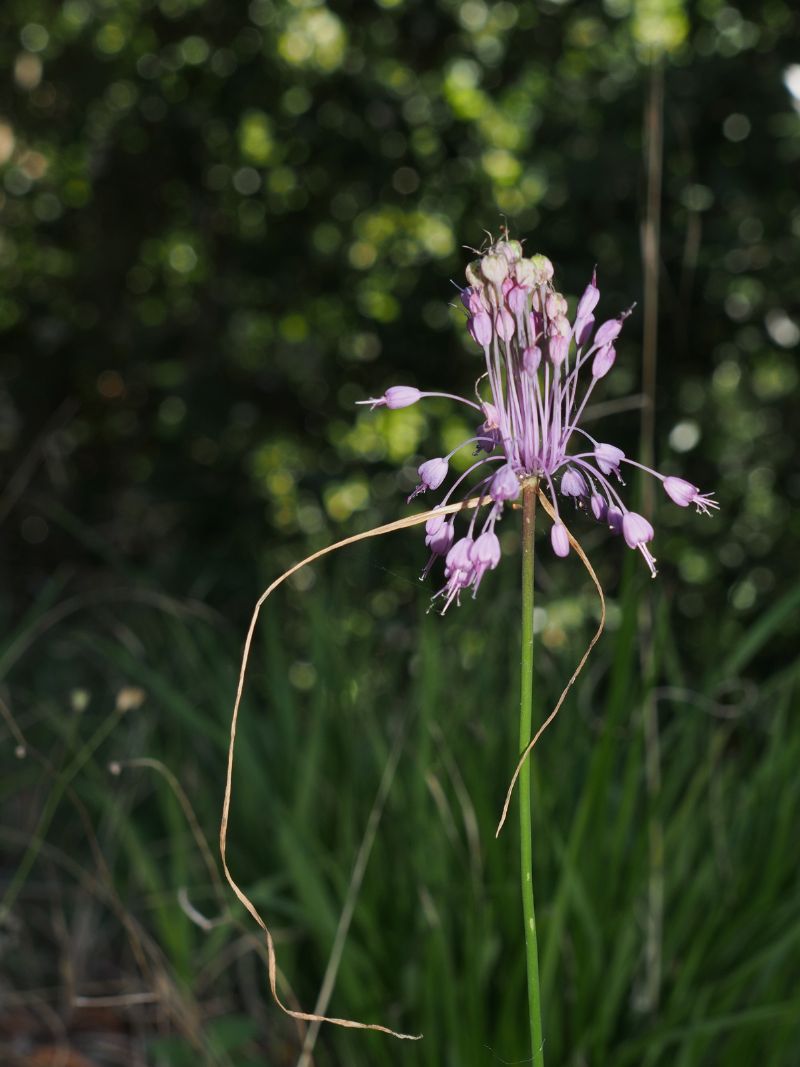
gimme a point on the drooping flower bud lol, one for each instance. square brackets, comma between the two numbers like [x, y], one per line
[494, 268]
[531, 359]
[517, 300]
[397, 396]
[505, 485]
[504, 324]
[433, 472]
[583, 329]
[609, 458]
[480, 328]
[614, 519]
[603, 361]
[573, 483]
[439, 534]
[607, 331]
[431, 475]
[636, 530]
[472, 301]
[591, 296]
[559, 539]
[557, 348]
[485, 555]
[599, 507]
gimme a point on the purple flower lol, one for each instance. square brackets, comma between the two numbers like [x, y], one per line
[504, 323]
[439, 534]
[603, 361]
[573, 483]
[433, 472]
[614, 519]
[684, 493]
[485, 555]
[637, 532]
[583, 330]
[599, 507]
[559, 539]
[590, 299]
[480, 326]
[398, 396]
[541, 370]
[459, 570]
[504, 485]
[608, 458]
[531, 359]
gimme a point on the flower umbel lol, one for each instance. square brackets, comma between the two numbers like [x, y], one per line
[541, 370]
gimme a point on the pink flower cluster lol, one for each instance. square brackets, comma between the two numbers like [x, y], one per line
[541, 370]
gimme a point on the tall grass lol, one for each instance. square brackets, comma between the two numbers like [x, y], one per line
[343, 672]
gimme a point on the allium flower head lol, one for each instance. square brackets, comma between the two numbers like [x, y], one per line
[540, 371]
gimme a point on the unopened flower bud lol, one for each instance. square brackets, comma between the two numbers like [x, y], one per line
[531, 359]
[517, 300]
[603, 361]
[504, 324]
[588, 302]
[400, 396]
[559, 539]
[599, 507]
[583, 329]
[610, 329]
[557, 348]
[480, 328]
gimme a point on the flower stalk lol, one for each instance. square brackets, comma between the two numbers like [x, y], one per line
[529, 495]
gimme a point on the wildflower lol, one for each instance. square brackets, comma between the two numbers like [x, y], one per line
[540, 372]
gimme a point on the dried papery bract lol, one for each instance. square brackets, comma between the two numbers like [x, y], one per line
[377, 531]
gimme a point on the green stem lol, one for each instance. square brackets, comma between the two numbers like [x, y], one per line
[529, 493]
